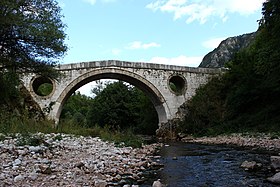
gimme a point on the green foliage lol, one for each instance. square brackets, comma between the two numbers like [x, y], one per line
[30, 139]
[125, 137]
[8, 86]
[15, 123]
[31, 39]
[173, 87]
[32, 35]
[45, 89]
[76, 108]
[246, 98]
[24, 129]
[122, 106]
[118, 106]
[206, 110]
[111, 107]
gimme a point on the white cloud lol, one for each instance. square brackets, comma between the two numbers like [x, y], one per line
[202, 10]
[108, 1]
[140, 45]
[116, 51]
[213, 42]
[180, 61]
[92, 2]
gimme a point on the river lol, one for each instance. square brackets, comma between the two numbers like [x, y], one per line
[199, 165]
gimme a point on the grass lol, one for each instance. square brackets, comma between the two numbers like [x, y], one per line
[25, 126]
[119, 137]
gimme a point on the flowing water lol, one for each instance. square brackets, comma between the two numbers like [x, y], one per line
[194, 165]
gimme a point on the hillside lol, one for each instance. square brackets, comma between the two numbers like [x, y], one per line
[226, 50]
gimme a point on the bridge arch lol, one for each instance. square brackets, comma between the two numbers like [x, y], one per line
[140, 82]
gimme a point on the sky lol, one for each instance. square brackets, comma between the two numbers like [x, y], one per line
[175, 32]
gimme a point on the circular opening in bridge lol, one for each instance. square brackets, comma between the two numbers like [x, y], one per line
[177, 84]
[42, 86]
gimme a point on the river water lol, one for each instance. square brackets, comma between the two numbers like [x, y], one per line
[199, 165]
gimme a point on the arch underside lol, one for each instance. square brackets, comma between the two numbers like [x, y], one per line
[112, 73]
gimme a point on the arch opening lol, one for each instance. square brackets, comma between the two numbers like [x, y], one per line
[42, 86]
[153, 94]
[112, 104]
[177, 84]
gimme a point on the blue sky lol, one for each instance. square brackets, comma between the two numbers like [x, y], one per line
[176, 32]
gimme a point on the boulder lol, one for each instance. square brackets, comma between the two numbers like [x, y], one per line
[250, 165]
[275, 162]
[275, 178]
[157, 183]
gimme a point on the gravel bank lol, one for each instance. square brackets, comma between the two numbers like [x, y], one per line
[66, 160]
[261, 141]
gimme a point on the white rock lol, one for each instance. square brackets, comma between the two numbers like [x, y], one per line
[18, 178]
[22, 152]
[2, 176]
[16, 162]
[100, 183]
[35, 149]
[33, 176]
[52, 177]
[45, 161]
[7, 165]
[157, 184]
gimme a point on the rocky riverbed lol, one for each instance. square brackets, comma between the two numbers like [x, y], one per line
[67, 160]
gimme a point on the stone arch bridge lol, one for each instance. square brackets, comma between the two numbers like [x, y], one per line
[167, 86]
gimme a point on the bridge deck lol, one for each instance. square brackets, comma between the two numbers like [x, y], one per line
[135, 65]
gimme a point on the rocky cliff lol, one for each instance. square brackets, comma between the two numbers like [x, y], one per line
[226, 50]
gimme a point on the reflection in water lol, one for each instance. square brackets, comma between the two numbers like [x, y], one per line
[204, 165]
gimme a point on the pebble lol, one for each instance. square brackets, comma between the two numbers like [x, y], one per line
[17, 162]
[33, 176]
[73, 161]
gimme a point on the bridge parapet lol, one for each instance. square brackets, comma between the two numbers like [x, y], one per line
[136, 65]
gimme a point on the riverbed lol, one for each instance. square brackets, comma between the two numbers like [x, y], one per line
[190, 164]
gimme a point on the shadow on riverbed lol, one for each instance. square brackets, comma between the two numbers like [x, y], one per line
[193, 165]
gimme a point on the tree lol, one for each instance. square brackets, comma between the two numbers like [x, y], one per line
[110, 107]
[76, 108]
[249, 92]
[31, 35]
[122, 106]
